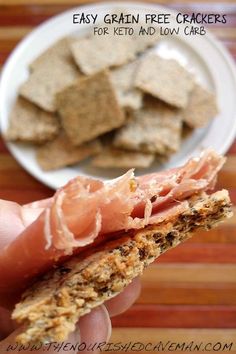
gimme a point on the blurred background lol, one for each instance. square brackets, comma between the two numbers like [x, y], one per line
[189, 294]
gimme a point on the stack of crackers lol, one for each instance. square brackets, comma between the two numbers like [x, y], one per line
[114, 100]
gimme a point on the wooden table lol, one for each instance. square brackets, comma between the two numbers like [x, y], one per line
[190, 293]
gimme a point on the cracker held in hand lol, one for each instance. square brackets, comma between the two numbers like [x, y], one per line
[52, 307]
[60, 153]
[130, 222]
[118, 158]
[109, 231]
[89, 108]
[201, 107]
[29, 123]
[123, 79]
[165, 79]
[47, 79]
[156, 128]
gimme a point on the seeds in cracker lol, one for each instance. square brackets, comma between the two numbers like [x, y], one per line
[117, 158]
[89, 108]
[123, 81]
[29, 123]
[201, 107]
[60, 153]
[47, 80]
[156, 128]
[59, 50]
[165, 79]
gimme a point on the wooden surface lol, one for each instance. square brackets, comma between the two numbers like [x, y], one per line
[190, 293]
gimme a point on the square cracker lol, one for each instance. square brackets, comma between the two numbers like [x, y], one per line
[156, 128]
[59, 50]
[201, 107]
[165, 79]
[123, 80]
[89, 108]
[47, 79]
[118, 158]
[93, 54]
[29, 123]
[60, 152]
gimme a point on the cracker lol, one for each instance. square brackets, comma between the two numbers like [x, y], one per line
[95, 53]
[156, 128]
[51, 308]
[201, 107]
[117, 158]
[29, 123]
[60, 153]
[89, 108]
[59, 50]
[165, 79]
[123, 80]
[47, 79]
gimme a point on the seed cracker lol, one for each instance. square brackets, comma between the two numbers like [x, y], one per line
[29, 123]
[118, 158]
[47, 79]
[165, 79]
[51, 308]
[201, 107]
[60, 153]
[123, 79]
[156, 128]
[59, 50]
[89, 108]
[95, 53]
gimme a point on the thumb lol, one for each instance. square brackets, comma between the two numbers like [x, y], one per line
[10, 345]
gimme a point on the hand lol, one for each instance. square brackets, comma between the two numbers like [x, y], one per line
[92, 328]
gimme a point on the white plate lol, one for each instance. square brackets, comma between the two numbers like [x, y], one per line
[202, 55]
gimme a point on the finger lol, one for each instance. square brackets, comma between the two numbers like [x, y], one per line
[11, 223]
[123, 301]
[29, 215]
[43, 203]
[31, 211]
[14, 219]
[70, 346]
[95, 329]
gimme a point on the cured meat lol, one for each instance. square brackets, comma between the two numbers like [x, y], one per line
[87, 210]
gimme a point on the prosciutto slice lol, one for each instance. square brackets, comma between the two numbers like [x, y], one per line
[87, 210]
